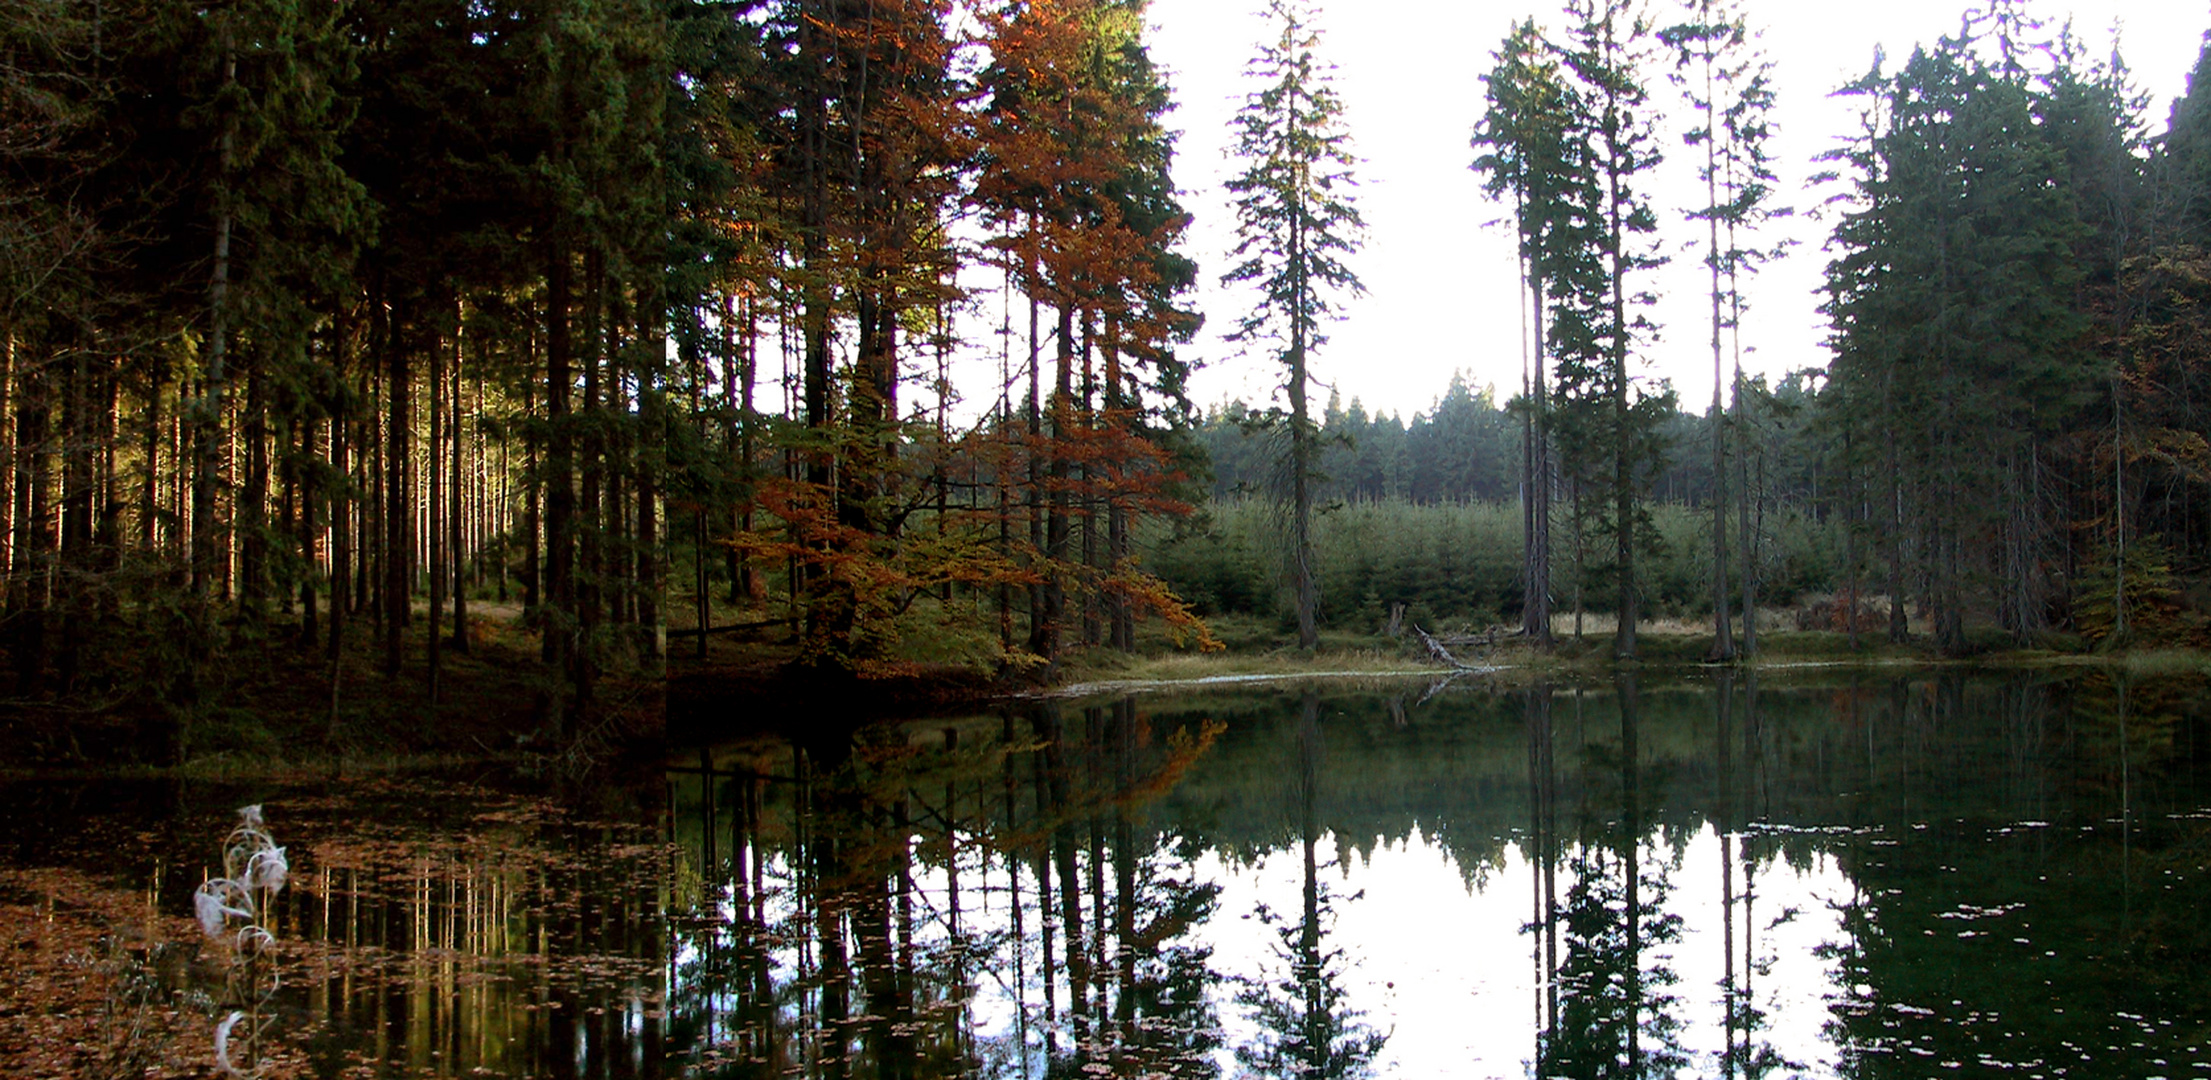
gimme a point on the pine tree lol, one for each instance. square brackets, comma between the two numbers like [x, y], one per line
[1955, 312]
[1530, 151]
[1608, 419]
[1296, 222]
[1728, 83]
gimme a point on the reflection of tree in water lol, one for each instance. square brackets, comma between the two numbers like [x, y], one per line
[1746, 1053]
[2077, 869]
[1306, 1027]
[1607, 1010]
[849, 918]
[1138, 986]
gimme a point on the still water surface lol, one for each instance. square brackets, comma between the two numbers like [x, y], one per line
[1925, 875]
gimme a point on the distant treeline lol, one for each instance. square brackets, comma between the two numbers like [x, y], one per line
[1466, 448]
[1459, 562]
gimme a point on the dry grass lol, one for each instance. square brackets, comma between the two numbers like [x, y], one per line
[1104, 665]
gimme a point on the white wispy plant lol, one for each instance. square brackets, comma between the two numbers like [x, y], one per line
[254, 870]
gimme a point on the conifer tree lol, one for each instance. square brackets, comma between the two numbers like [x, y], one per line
[1530, 151]
[1727, 82]
[1607, 416]
[1295, 222]
[1954, 306]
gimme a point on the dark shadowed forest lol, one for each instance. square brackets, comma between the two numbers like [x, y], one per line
[359, 359]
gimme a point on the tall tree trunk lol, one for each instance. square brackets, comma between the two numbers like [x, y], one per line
[650, 449]
[75, 563]
[590, 525]
[1535, 597]
[34, 543]
[1301, 439]
[436, 539]
[341, 522]
[10, 516]
[534, 464]
[1039, 640]
[307, 480]
[1746, 548]
[207, 414]
[1623, 472]
[557, 618]
[456, 539]
[149, 509]
[1118, 417]
[251, 506]
[1057, 534]
[398, 502]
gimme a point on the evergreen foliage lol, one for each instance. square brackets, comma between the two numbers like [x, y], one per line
[1295, 224]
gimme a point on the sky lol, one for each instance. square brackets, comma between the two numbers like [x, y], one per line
[1437, 262]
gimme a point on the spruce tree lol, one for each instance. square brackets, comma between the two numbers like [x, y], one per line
[1530, 151]
[1727, 82]
[1608, 416]
[1296, 223]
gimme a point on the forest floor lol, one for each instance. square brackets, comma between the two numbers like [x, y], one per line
[739, 683]
[269, 702]
[1259, 648]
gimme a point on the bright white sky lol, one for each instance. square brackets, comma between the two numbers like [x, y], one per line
[1441, 292]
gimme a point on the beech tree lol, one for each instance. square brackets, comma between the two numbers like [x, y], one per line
[1296, 221]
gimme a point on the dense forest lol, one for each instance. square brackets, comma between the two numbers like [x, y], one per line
[341, 330]
[2008, 440]
[323, 322]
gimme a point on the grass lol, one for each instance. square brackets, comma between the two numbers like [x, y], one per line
[1266, 646]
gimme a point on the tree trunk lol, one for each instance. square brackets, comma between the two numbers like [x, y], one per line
[436, 539]
[1118, 416]
[457, 538]
[341, 526]
[1746, 550]
[398, 505]
[1057, 534]
[307, 482]
[651, 443]
[557, 613]
[207, 413]
[29, 594]
[10, 515]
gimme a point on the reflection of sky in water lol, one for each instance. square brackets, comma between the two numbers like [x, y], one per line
[1936, 871]
[1441, 964]
[1464, 996]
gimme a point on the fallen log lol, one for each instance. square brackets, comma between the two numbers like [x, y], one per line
[1436, 648]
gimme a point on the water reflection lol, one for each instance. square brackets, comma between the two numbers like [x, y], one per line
[1858, 880]
[1862, 877]
[1306, 1026]
[975, 899]
[1610, 1010]
[1710, 881]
